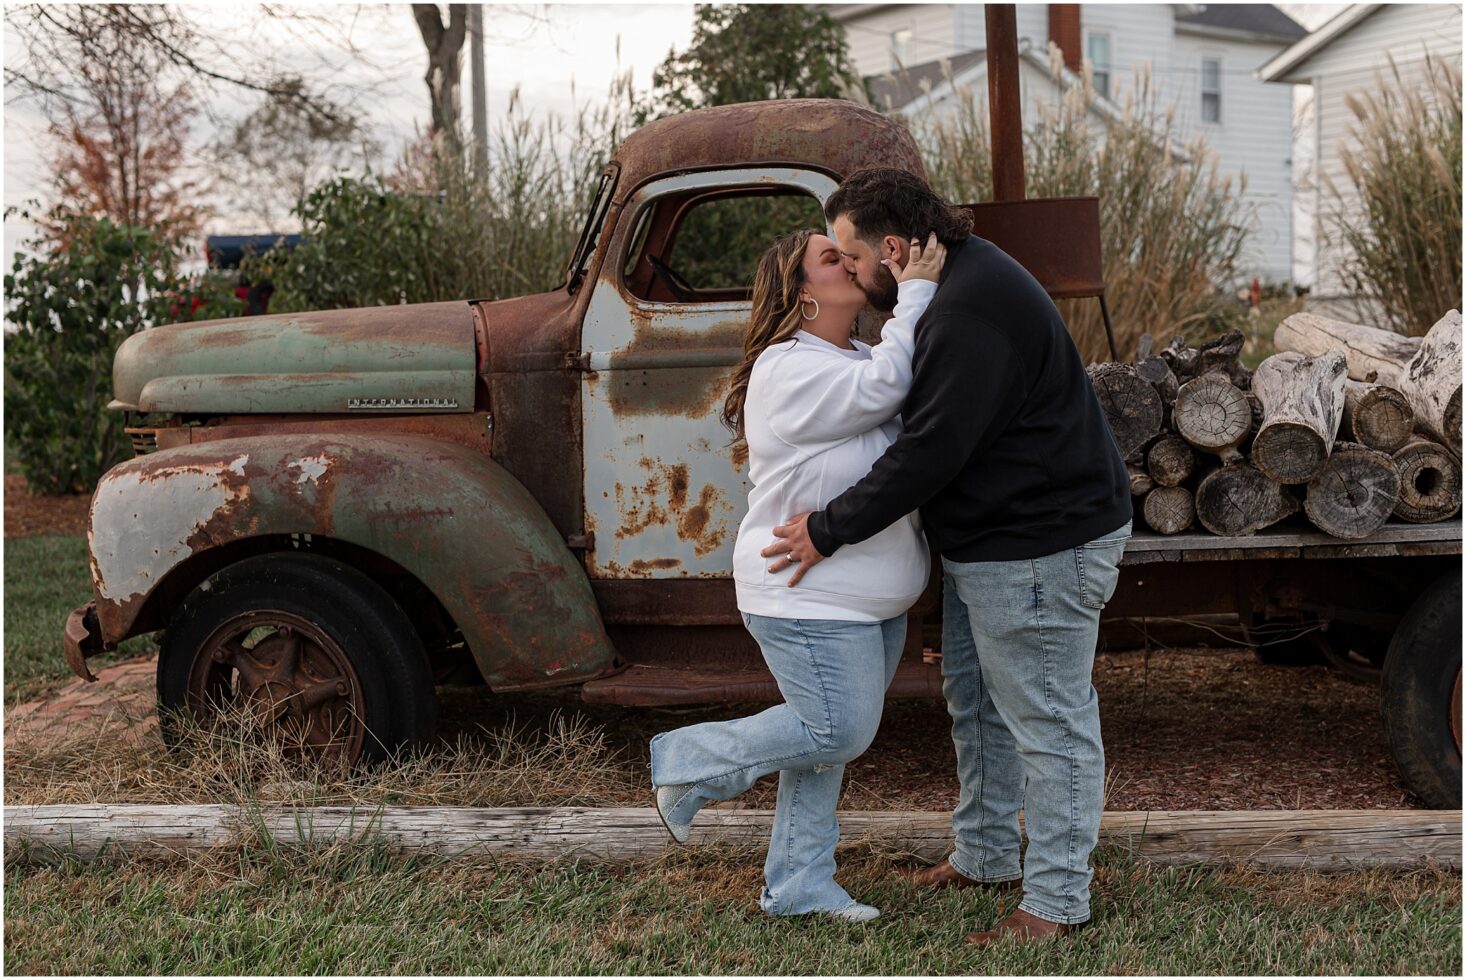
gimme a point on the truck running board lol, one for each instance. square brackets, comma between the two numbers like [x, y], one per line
[643, 685]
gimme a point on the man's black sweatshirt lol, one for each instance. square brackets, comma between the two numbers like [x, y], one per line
[1006, 451]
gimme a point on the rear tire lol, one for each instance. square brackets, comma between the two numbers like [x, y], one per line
[319, 652]
[1420, 694]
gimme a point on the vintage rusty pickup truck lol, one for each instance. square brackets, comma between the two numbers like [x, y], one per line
[329, 511]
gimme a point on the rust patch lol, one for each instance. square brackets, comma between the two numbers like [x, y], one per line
[663, 499]
[645, 566]
[693, 392]
[657, 333]
[693, 524]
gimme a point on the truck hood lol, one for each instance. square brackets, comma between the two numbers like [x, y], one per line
[387, 358]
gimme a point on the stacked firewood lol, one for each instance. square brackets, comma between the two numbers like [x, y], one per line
[1348, 424]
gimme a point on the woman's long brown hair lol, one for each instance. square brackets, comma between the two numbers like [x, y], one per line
[776, 316]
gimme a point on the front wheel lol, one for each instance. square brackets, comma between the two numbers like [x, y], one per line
[314, 650]
[1420, 694]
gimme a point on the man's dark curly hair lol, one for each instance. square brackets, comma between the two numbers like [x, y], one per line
[884, 201]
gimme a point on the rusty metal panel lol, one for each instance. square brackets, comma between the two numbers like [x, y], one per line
[450, 516]
[528, 344]
[663, 492]
[1055, 239]
[832, 135]
[417, 358]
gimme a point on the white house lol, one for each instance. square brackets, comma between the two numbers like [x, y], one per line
[1341, 58]
[1202, 58]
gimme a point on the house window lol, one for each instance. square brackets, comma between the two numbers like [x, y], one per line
[1211, 90]
[1097, 50]
[901, 48]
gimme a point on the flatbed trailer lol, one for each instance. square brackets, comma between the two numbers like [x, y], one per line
[1390, 614]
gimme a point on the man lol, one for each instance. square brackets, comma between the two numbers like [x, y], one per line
[1023, 493]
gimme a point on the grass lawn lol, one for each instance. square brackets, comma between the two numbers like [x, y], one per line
[364, 912]
[1259, 330]
[45, 579]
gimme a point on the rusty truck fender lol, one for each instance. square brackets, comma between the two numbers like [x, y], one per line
[455, 519]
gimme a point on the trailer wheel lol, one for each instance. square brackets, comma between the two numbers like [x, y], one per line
[316, 653]
[1421, 694]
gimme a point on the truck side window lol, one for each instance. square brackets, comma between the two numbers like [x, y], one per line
[705, 248]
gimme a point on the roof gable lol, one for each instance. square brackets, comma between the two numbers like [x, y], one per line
[1262, 21]
[1291, 59]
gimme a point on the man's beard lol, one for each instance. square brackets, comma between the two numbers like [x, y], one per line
[884, 294]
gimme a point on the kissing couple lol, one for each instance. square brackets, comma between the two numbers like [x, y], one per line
[972, 429]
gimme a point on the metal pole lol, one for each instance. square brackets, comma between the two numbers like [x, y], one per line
[480, 85]
[1005, 108]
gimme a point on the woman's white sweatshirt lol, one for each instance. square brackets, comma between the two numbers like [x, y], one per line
[816, 417]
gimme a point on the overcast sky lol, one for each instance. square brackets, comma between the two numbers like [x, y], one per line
[540, 49]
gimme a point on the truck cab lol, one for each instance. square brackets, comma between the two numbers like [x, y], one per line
[329, 510]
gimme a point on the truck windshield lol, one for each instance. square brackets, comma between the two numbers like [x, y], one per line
[594, 222]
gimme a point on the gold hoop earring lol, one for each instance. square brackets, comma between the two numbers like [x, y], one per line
[816, 308]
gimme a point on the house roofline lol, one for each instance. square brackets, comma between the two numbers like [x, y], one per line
[1292, 58]
[849, 11]
[1231, 33]
[1100, 105]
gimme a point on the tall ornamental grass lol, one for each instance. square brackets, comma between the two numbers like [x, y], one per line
[1399, 209]
[1172, 229]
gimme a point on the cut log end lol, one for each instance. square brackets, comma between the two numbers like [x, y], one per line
[1289, 452]
[1238, 499]
[1140, 481]
[1169, 510]
[1170, 461]
[1131, 405]
[1302, 405]
[1354, 493]
[1430, 482]
[1376, 416]
[1212, 413]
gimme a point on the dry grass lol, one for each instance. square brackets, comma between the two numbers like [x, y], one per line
[564, 762]
[1183, 729]
[1399, 211]
[1172, 229]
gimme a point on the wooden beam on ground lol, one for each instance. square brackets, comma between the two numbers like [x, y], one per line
[1328, 840]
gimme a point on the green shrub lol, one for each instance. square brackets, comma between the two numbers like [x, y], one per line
[73, 300]
[438, 230]
[1171, 229]
[1399, 212]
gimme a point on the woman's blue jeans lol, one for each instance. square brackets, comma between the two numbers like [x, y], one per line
[833, 675]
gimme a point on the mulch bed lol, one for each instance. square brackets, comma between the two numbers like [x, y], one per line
[28, 517]
[1184, 729]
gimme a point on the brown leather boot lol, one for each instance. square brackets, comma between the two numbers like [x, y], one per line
[1024, 927]
[943, 875]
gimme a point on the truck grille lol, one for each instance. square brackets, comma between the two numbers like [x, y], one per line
[144, 441]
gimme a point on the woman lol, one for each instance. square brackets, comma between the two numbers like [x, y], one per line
[816, 408]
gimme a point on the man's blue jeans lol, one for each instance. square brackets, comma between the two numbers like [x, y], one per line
[833, 675]
[1018, 641]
